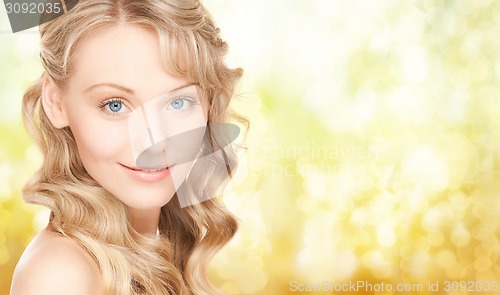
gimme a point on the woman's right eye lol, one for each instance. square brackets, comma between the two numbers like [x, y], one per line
[113, 106]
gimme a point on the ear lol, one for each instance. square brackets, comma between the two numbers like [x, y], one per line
[52, 103]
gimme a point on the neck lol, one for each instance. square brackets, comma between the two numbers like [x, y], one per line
[145, 221]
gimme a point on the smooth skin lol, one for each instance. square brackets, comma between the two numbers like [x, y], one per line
[128, 57]
[53, 264]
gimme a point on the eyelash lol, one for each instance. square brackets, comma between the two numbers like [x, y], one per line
[108, 101]
[183, 98]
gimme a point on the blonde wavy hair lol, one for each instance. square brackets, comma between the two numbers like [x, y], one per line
[81, 209]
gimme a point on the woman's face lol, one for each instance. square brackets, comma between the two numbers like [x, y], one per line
[119, 101]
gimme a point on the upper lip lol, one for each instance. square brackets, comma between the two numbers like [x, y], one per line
[146, 168]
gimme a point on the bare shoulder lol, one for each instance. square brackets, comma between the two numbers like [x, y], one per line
[53, 264]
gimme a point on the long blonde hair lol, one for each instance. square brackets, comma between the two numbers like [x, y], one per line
[85, 212]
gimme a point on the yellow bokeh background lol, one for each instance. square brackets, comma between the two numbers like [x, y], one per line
[373, 152]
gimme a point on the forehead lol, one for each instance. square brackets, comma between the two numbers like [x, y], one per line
[124, 54]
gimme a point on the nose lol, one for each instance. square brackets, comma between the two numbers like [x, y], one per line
[161, 136]
[154, 157]
[177, 149]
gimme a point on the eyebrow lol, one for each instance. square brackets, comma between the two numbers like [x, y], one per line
[130, 91]
[184, 86]
[113, 85]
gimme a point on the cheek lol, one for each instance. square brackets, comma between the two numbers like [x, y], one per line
[100, 140]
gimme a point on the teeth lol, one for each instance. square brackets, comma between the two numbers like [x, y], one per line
[152, 170]
[148, 170]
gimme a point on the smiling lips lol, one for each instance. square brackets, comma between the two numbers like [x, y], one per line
[147, 175]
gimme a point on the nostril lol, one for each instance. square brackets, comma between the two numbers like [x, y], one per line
[157, 148]
[154, 156]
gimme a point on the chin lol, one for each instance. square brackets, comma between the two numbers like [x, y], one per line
[146, 199]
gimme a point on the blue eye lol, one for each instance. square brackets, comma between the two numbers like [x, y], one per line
[115, 106]
[177, 103]
[182, 103]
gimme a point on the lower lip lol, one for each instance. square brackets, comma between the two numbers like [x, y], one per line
[145, 176]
